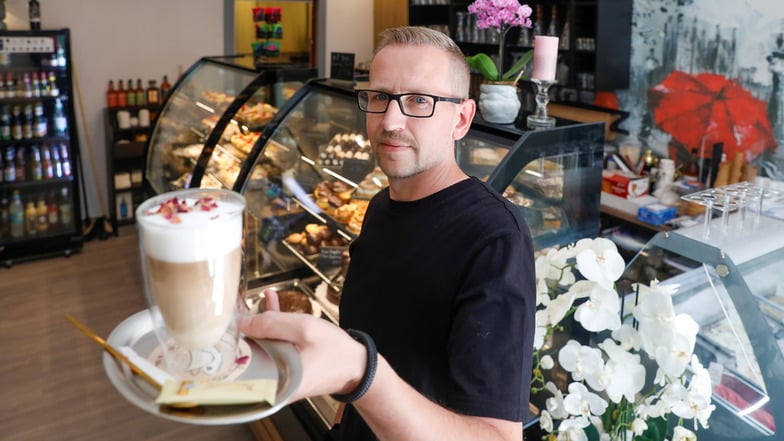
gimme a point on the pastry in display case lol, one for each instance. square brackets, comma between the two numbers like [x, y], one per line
[213, 116]
[731, 284]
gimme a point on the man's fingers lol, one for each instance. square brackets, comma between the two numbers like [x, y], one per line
[272, 301]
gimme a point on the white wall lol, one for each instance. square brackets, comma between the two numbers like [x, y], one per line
[349, 29]
[121, 39]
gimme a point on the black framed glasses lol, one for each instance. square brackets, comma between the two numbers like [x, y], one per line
[417, 105]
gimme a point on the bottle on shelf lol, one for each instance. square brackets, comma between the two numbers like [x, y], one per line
[57, 165]
[53, 90]
[122, 97]
[35, 84]
[27, 122]
[153, 93]
[2, 86]
[40, 122]
[141, 94]
[563, 41]
[5, 124]
[43, 84]
[552, 27]
[165, 87]
[10, 85]
[27, 85]
[9, 166]
[16, 123]
[34, 11]
[60, 52]
[65, 160]
[21, 164]
[36, 167]
[60, 122]
[111, 95]
[65, 207]
[16, 218]
[538, 28]
[47, 166]
[123, 208]
[30, 219]
[53, 213]
[130, 94]
[5, 217]
[41, 215]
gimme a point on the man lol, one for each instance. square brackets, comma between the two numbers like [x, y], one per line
[441, 277]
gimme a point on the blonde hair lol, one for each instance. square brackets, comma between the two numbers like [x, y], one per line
[422, 36]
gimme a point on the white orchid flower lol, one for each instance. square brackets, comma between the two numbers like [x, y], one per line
[680, 433]
[674, 357]
[540, 330]
[638, 426]
[581, 401]
[547, 362]
[553, 265]
[572, 429]
[700, 382]
[580, 360]
[546, 421]
[627, 337]
[599, 261]
[601, 311]
[555, 404]
[626, 373]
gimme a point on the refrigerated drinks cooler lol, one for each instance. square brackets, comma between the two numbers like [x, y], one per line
[39, 153]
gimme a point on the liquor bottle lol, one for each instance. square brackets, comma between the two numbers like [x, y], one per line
[124, 208]
[5, 217]
[16, 218]
[27, 122]
[47, 165]
[34, 9]
[16, 123]
[122, 97]
[9, 167]
[30, 219]
[153, 93]
[65, 160]
[5, 124]
[60, 51]
[41, 216]
[538, 26]
[111, 95]
[552, 28]
[60, 122]
[2, 87]
[563, 41]
[53, 213]
[27, 85]
[130, 94]
[20, 164]
[40, 122]
[43, 84]
[141, 94]
[10, 85]
[165, 87]
[53, 90]
[65, 207]
[36, 167]
[35, 84]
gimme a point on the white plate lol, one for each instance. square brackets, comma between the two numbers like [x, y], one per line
[270, 359]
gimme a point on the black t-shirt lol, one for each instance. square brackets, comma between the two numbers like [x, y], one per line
[446, 287]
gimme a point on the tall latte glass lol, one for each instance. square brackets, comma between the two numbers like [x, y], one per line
[191, 253]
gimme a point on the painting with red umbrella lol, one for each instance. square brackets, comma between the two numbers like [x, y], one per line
[698, 110]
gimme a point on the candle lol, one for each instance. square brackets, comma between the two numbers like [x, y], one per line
[545, 57]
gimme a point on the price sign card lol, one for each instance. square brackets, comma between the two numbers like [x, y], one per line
[342, 66]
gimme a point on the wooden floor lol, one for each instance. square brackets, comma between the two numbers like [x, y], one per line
[52, 384]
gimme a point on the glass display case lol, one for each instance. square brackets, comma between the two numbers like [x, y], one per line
[731, 285]
[211, 119]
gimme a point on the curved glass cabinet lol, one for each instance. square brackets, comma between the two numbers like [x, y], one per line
[732, 285]
[212, 118]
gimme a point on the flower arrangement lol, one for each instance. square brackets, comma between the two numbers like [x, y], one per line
[607, 399]
[500, 15]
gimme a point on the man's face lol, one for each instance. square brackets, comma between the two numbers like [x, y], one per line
[405, 146]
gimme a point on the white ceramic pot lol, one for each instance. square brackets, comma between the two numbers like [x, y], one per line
[499, 103]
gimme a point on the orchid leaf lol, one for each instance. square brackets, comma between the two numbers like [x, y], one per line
[519, 65]
[484, 65]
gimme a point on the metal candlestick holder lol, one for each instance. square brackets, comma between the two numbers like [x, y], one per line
[540, 120]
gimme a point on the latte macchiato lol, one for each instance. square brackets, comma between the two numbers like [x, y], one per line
[191, 248]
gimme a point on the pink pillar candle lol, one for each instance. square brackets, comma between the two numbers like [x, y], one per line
[545, 57]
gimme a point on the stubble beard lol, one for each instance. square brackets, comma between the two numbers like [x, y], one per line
[384, 161]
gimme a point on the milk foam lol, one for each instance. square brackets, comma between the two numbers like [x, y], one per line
[198, 236]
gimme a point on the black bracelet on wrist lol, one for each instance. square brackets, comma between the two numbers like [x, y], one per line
[370, 368]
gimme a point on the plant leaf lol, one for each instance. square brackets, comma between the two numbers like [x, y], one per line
[484, 64]
[592, 433]
[519, 65]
